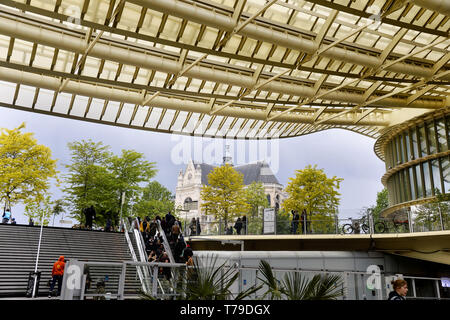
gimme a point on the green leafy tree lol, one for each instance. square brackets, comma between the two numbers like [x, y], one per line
[58, 208]
[154, 199]
[128, 172]
[381, 204]
[312, 190]
[224, 196]
[25, 167]
[428, 217]
[257, 201]
[99, 178]
[88, 183]
[283, 222]
[40, 208]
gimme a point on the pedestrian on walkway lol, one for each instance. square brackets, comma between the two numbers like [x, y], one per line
[193, 227]
[57, 275]
[198, 227]
[238, 225]
[295, 221]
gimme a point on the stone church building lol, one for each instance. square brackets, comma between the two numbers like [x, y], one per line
[191, 180]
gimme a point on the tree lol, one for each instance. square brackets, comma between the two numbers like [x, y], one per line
[256, 199]
[312, 190]
[39, 208]
[428, 216]
[25, 167]
[58, 208]
[224, 196]
[88, 182]
[99, 178]
[381, 204]
[128, 171]
[154, 199]
[283, 222]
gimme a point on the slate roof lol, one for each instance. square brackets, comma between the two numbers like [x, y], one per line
[253, 172]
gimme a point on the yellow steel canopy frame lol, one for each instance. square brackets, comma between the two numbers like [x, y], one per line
[242, 69]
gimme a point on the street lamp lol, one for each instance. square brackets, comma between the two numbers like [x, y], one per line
[37, 257]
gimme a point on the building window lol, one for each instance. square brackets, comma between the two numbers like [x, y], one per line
[437, 186]
[423, 141]
[268, 199]
[441, 135]
[432, 137]
[427, 179]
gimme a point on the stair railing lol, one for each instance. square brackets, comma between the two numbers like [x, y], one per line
[139, 270]
[148, 272]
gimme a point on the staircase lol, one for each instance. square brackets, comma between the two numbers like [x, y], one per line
[18, 250]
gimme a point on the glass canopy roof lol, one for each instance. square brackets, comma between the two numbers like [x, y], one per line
[243, 69]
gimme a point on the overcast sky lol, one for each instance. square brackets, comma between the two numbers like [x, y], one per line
[340, 153]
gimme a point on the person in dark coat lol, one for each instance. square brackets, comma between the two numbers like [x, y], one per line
[89, 214]
[295, 221]
[238, 225]
[244, 223]
[199, 228]
[303, 221]
[193, 227]
[400, 290]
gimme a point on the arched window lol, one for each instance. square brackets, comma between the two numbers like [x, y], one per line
[188, 200]
[268, 199]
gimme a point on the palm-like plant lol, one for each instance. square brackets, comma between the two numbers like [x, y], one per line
[274, 290]
[210, 281]
[213, 282]
[295, 287]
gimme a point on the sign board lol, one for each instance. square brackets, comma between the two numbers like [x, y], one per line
[62, 221]
[269, 221]
[445, 282]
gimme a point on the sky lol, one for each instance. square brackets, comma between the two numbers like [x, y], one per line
[338, 152]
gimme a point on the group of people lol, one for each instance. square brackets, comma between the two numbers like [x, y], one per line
[239, 225]
[301, 219]
[154, 245]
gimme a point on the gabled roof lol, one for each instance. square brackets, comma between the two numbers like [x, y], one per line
[253, 172]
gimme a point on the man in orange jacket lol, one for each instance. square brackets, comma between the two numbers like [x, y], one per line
[57, 275]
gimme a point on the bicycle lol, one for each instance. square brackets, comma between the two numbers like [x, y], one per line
[359, 224]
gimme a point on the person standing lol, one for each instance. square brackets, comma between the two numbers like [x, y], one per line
[238, 225]
[244, 223]
[193, 227]
[295, 221]
[108, 225]
[89, 214]
[303, 221]
[6, 216]
[199, 228]
[176, 230]
[400, 290]
[57, 275]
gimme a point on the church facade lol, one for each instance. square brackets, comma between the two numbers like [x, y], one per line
[191, 180]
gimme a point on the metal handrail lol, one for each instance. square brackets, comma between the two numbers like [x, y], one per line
[165, 242]
[134, 257]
